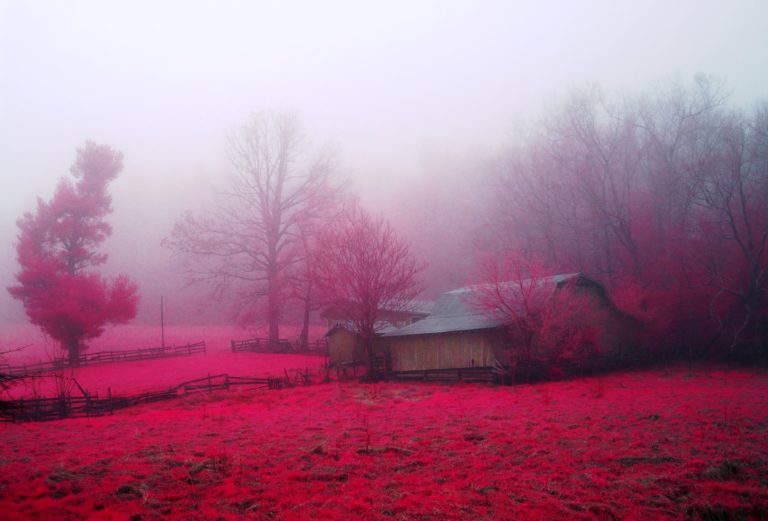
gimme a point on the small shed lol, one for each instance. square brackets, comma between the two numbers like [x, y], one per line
[345, 347]
[344, 344]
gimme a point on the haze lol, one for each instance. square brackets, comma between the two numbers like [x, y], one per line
[400, 90]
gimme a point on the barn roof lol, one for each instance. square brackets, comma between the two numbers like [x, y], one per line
[456, 310]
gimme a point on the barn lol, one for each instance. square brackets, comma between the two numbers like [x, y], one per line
[454, 335]
[459, 334]
[345, 348]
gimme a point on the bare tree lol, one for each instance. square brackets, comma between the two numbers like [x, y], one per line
[300, 276]
[734, 202]
[549, 319]
[661, 196]
[245, 248]
[364, 268]
[514, 288]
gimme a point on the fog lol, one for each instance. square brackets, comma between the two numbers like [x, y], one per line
[413, 97]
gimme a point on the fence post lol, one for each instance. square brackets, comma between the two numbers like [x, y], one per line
[209, 382]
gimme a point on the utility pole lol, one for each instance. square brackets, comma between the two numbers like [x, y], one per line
[162, 324]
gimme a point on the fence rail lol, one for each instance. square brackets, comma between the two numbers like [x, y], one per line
[460, 374]
[264, 345]
[105, 357]
[68, 406]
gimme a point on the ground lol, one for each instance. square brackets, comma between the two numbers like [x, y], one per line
[654, 444]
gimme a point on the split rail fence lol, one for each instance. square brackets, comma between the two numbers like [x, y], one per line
[464, 374]
[264, 345]
[105, 357]
[67, 406]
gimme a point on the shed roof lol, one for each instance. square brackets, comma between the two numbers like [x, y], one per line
[456, 310]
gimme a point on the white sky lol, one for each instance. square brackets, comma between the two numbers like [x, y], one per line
[162, 81]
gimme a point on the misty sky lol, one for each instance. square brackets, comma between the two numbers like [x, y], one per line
[380, 81]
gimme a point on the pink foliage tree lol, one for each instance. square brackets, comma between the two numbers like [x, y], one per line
[362, 267]
[57, 252]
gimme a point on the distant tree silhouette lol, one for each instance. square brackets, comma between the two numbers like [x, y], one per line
[56, 249]
[247, 247]
[663, 197]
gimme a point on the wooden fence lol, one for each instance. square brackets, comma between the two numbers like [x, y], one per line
[68, 406]
[462, 374]
[149, 353]
[264, 345]
[105, 357]
[533, 371]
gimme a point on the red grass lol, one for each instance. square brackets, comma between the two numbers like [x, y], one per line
[217, 338]
[646, 445]
[148, 375]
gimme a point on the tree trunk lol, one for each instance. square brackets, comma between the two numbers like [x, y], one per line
[273, 306]
[274, 327]
[367, 339]
[304, 335]
[73, 351]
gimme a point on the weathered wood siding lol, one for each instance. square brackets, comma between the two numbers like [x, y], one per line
[445, 350]
[344, 346]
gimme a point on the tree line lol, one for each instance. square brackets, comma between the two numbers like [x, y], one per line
[663, 198]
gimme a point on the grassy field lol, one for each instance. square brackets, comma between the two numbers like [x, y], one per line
[659, 444]
[40, 348]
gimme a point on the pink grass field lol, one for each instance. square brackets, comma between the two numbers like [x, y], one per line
[655, 444]
[40, 348]
[150, 375]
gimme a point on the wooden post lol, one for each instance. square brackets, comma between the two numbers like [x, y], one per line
[111, 405]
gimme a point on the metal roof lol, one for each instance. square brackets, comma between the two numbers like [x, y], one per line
[456, 310]
[447, 324]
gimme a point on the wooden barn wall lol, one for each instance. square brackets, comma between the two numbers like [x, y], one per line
[343, 346]
[445, 350]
